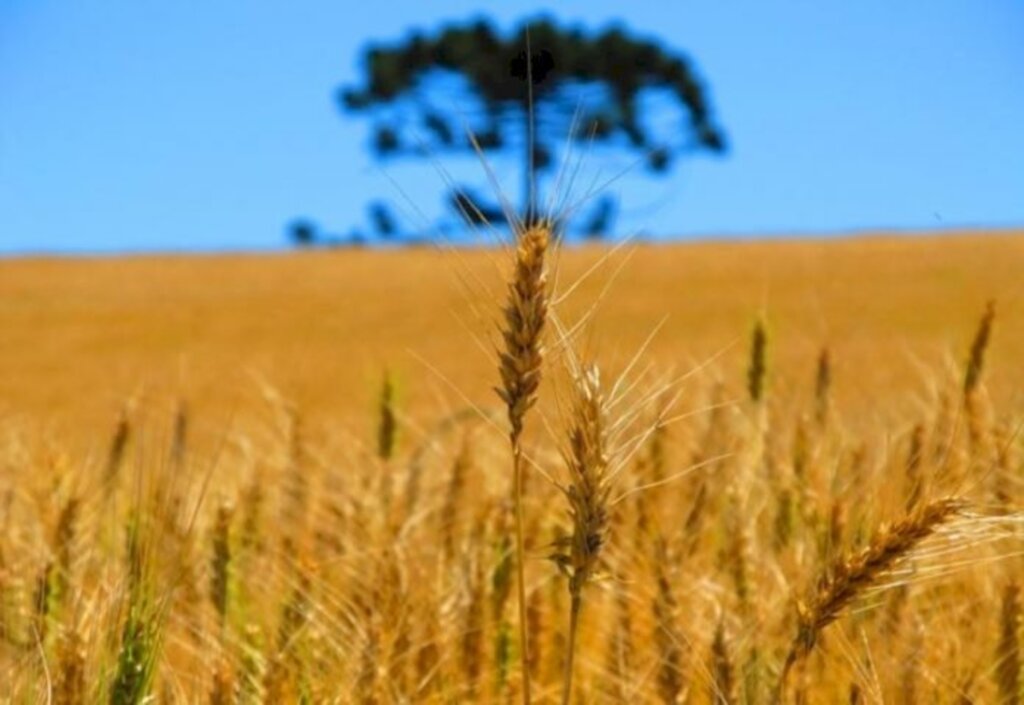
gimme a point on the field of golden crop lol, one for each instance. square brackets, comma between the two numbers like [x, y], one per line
[288, 478]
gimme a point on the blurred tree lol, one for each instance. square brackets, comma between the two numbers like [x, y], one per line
[383, 220]
[302, 233]
[605, 88]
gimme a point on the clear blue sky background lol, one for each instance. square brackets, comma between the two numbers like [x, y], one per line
[209, 125]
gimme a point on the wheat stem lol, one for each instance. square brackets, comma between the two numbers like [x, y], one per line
[574, 623]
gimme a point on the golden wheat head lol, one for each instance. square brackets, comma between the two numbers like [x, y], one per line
[588, 489]
[852, 576]
[525, 314]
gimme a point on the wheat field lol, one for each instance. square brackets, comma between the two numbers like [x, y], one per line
[727, 472]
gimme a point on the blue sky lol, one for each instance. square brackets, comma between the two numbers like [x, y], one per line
[188, 125]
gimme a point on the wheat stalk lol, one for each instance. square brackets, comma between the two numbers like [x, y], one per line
[520, 360]
[587, 493]
[1008, 663]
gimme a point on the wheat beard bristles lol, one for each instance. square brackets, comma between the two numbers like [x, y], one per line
[525, 314]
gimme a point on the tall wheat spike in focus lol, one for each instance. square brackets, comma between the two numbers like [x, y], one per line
[525, 314]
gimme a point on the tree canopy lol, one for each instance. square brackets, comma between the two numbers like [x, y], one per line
[427, 94]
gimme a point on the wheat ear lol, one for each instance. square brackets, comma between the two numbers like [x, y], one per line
[853, 575]
[757, 369]
[724, 690]
[525, 314]
[979, 345]
[588, 495]
[823, 387]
